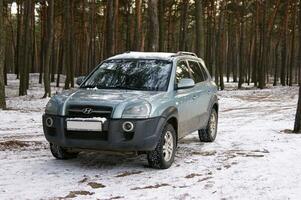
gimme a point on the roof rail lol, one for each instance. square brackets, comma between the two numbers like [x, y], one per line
[180, 53]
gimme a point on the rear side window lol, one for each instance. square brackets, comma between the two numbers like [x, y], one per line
[182, 70]
[196, 72]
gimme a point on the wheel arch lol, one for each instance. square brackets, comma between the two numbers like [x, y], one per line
[171, 115]
[215, 107]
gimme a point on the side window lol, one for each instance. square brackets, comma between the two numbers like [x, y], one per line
[182, 71]
[196, 72]
[204, 71]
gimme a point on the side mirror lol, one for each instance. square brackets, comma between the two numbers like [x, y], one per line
[185, 83]
[80, 80]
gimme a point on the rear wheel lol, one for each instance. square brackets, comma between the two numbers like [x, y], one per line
[163, 156]
[209, 134]
[62, 153]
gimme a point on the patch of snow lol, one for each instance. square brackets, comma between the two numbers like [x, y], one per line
[251, 158]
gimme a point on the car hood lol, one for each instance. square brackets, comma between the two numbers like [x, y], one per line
[102, 97]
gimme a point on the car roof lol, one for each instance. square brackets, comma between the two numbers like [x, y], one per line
[152, 55]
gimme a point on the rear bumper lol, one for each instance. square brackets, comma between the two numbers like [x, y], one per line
[144, 137]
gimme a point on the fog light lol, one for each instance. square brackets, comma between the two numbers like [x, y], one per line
[128, 126]
[49, 122]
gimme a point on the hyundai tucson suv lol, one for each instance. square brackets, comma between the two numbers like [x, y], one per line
[135, 102]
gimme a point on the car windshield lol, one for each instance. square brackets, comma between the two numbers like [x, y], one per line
[150, 75]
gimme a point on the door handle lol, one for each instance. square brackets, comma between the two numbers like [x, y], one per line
[194, 97]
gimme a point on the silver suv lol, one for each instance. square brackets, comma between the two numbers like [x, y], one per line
[135, 102]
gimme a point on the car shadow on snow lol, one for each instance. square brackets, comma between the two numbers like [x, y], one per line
[107, 160]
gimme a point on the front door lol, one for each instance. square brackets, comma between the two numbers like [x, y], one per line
[184, 100]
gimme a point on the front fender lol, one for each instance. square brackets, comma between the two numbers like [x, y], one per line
[170, 112]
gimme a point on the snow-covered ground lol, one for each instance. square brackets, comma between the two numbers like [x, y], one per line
[253, 157]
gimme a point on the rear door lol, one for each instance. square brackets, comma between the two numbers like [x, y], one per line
[201, 96]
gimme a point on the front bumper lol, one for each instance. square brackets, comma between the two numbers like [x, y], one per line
[144, 137]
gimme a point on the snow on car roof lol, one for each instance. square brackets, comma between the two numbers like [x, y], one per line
[143, 55]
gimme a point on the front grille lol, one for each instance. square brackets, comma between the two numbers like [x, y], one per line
[87, 111]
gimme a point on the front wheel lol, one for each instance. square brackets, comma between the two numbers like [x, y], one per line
[61, 153]
[163, 156]
[209, 134]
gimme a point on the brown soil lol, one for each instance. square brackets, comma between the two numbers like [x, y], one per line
[20, 145]
[128, 173]
[151, 186]
[95, 185]
[192, 175]
[73, 194]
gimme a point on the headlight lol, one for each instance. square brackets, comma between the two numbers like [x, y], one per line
[51, 107]
[137, 110]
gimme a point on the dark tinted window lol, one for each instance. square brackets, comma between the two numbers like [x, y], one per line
[150, 75]
[182, 70]
[196, 72]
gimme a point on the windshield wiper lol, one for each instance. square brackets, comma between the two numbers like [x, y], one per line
[89, 86]
[121, 87]
[131, 88]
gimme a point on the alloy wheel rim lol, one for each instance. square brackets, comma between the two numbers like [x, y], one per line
[168, 146]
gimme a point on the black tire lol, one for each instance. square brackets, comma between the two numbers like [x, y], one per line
[62, 153]
[208, 134]
[159, 158]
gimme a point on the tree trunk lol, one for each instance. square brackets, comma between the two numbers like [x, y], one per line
[161, 25]
[48, 48]
[138, 25]
[2, 46]
[183, 25]
[153, 30]
[276, 72]
[199, 30]
[42, 43]
[19, 21]
[110, 28]
[299, 52]
[25, 47]
[284, 47]
[241, 54]
[297, 127]
[292, 57]
[60, 62]
[68, 43]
